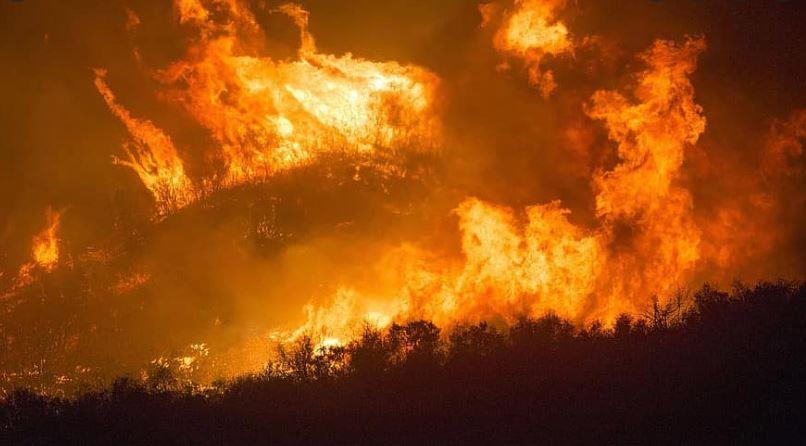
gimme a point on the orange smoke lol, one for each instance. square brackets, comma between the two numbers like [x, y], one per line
[739, 227]
[268, 115]
[530, 31]
[784, 146]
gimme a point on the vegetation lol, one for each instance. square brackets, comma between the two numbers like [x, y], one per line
[726, 367]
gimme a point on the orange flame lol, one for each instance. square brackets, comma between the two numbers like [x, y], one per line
[647, 243]
[530, 31]
[151, 155]
[639, 201]
[269, 115]
[45, 249]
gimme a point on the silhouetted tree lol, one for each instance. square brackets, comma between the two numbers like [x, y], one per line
[727, 369]
[416, 343]
[370, 354]
[474, 342]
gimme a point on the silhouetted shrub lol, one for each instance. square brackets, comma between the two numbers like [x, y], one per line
[720, 368]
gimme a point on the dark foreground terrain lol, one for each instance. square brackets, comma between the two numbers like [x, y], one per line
[716, 368]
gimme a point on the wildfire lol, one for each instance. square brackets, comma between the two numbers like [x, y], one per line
[530, 31]
[641, 194]
[151, 154]
[268, 115]
[397, 228]
[44, 254]
[45, 248]
[547, 264]
[341, 320]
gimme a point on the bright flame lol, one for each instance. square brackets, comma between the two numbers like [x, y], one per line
[151, 154]
[530, 31]
[548, 265]
[45, 249]
[44, 254]
[341, 320]
[640, 202]
[268, 115]
[646, 243]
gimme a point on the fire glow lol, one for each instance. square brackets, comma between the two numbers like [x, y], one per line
[641, 233]
[269, 115]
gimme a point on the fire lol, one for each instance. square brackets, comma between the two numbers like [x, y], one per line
[386, 191]
[269, 115]
[45, 248]
[641, 194]
[44, 254]
[151, 154]
[530, 31]
[341, 320]
[646, 243]
[512, 269]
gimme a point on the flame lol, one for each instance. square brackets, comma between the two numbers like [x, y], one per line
[268, 115]
[640, 196]
[340, 321]
[530, 31]
[151, 154]
[261, 115]
[646, 244]
[783, 146]
[44, 254]
[548, 265]
[45, 249]
[509, 270]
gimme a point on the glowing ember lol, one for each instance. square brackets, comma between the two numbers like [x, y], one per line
[151, 155]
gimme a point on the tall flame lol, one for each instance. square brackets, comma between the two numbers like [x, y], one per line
[45, 246]
[44, 255]
[647, 242]
[639, 201]
[268, 115]
[151, 154]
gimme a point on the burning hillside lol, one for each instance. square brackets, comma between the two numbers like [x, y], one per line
[231, 175]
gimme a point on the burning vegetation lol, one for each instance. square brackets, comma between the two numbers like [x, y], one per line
[267, 115]
[242, 179]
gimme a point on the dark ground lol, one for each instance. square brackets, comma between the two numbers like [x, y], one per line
[727, 368]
